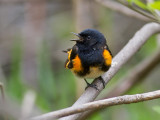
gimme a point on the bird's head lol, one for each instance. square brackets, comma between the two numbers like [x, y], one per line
[90, 37]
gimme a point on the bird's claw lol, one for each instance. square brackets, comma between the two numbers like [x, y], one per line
[91, 85]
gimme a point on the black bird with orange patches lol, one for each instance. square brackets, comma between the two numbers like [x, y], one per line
[90, 57]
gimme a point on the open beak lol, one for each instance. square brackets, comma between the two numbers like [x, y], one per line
[80, 39]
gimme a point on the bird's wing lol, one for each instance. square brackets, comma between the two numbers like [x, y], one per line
[72, 53]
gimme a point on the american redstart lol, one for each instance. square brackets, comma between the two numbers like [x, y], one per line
[90, 57]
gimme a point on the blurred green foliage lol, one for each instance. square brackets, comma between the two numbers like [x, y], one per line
[157, 109]
[54, 92]
[14, 85]
[154, 5]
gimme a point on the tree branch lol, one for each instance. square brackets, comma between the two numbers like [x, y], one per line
[122, 9]
[126, 99]
[2, 90]
[140, 11]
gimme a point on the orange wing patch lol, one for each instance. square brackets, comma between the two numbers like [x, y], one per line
[77, 65]
[69, 55]
[107, 56]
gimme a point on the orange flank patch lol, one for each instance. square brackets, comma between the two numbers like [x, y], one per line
[77, 66]
[107, 56]
[69, 55]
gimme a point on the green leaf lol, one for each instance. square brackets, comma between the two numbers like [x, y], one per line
[154, 5]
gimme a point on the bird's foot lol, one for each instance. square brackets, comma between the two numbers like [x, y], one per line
[102, 80]
[91, 85]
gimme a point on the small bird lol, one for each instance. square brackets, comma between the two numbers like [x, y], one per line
[90, 57]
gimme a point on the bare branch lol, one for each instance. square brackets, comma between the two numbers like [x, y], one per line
[3, 98]
[140, 11]
[122, 9]
[2, 90]
[2, 78]
[126, 99]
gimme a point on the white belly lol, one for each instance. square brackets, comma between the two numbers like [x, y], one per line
[94, 73]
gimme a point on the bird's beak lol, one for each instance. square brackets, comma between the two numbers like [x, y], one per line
[80, 39]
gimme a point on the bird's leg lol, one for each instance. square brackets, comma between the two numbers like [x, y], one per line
[90, 85]
[102, 80]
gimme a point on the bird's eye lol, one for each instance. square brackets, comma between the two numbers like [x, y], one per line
[88, 37]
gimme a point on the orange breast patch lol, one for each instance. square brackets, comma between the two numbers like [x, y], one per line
[77, 65]
[107, 56]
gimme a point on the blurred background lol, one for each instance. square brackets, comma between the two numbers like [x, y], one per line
[34, 33]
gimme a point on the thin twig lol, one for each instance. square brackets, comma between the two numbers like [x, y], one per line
[126, 99]
[140, 11]
[2, 90]
[3, 99]
[122, 9]
[155, 12]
